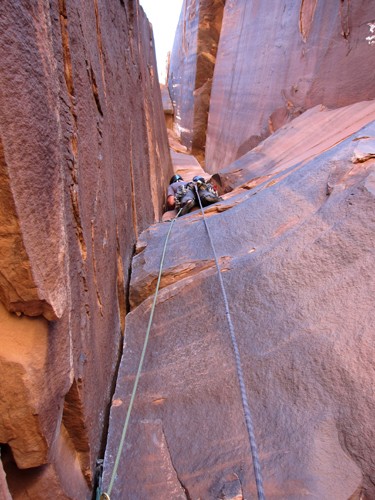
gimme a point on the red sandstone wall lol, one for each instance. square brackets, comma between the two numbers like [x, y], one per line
[277, 59]
[295, 243]
[83, 164]
[191, 69]
[274, 61]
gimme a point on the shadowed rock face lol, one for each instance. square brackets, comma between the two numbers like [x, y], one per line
[82, 134]
[271, 68]
[297, 257]
[4, 491]
[191, 69]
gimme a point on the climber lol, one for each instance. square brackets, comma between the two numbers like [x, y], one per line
[180, 195]
[206, 191]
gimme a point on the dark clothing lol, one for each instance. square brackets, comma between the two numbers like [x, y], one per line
[185, 197]
[173, 188]
[207, 194]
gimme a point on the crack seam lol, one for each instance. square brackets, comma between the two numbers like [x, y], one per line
[186, 491]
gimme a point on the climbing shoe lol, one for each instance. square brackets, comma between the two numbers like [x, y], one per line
[187, 207]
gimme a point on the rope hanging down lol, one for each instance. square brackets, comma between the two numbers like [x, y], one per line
[106, 496]
[245, 404]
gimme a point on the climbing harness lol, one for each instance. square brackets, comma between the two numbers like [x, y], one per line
[106, 495]
[245, 404]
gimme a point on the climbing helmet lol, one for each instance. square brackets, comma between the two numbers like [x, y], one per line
[198, 179]
[175, 178]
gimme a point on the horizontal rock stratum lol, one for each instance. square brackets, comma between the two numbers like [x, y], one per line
[297, 257]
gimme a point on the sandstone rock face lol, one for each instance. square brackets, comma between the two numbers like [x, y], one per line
[191, 69]
[297, 256]
[167, 106]
[291, 146]
[4, 491]
[84, 161]
[271, 68]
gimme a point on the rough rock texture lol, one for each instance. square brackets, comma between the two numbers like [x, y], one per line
[4, 491]
[290, 147]
[270, 68]
[191, 69]
[297, 258]
[167, 106]
[83, 164]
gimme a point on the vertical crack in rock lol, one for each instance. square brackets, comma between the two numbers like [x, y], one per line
[74, 422]
[77, 217]
[95, 90]
[344, 16]
[124, 306]
[193, 60]
[120, 281]
[186, 491]
[129, 14]
[66, 48]
[209, 30]
[306, 17]
[133, 192]
[100, 44]
[99, 300]
[153, 159]
[128, 288]
[68, 74]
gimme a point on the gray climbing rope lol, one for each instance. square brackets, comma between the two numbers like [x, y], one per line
[245, 404]
[106, 495]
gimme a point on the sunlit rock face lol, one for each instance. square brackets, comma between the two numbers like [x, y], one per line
[83, 164]
[191, 69]
[294, 239]
[261, 64]
[278, 59]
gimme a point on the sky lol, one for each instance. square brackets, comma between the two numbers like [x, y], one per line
[164, 16]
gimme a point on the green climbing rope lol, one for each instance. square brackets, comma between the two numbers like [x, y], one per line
[246, 407]
[106, 495]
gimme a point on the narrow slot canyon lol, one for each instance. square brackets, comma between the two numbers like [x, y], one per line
[277, 112]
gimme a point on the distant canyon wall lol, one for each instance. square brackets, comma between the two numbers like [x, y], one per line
[84, 160]
[274, 61]
[191, 69]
